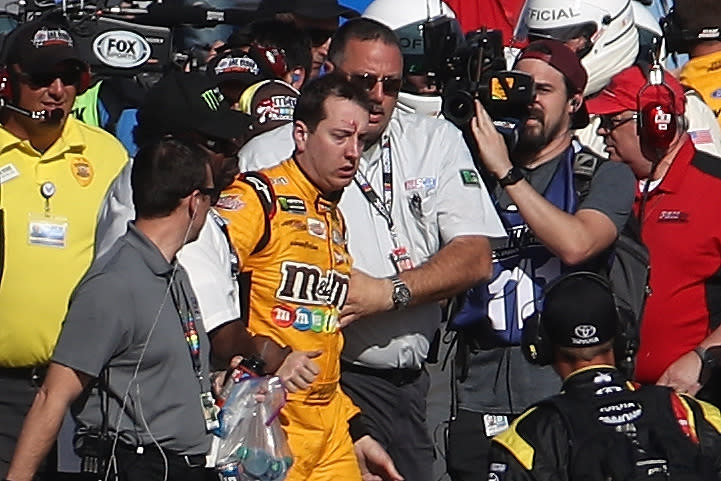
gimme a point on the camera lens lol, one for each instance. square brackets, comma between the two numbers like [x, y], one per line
[458, 107]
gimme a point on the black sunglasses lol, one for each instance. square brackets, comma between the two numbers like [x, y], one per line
[608, 122]
[319, 36]
[366, 81]
[224, 147]
[45, 79]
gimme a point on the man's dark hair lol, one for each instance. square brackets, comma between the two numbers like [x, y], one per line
[293, 41]
[360, 29]
[165, 171]
[310, 107]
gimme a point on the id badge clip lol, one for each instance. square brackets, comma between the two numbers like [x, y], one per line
[401, 259]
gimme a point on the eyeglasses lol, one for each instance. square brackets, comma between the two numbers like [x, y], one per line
[45, 79]
[608, 122]
[319, 36]
[366, 81]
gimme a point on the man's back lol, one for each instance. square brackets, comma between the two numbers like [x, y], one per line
[603, 427]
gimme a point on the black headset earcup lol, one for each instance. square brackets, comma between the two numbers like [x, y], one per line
[534, 343]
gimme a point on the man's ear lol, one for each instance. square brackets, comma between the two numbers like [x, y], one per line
[300, 135]
[329, 67]
[576, 102]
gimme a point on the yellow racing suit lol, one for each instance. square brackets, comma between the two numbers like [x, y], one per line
[703, 74]
[291, 244]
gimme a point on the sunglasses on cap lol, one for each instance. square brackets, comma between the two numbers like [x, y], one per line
[45, 79]
[366, 81]
[319, 36]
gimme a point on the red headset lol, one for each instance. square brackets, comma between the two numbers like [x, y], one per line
[658, 120]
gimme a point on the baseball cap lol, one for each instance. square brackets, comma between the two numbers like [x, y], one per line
[40, 45]
[316, 9]
[270, 104]
[559, 56]
[239, 66]
[622, 91]
[579, 311]
[183, 101]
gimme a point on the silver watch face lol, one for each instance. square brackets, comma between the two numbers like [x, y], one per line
[401, 296]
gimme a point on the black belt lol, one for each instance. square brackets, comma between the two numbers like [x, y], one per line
[397, 376]
[151, 450]
[33, 374]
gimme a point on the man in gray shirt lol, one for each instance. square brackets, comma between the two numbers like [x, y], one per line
[134, 325]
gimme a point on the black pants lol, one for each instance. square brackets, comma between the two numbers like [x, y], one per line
[150, 466]
[16, 396]
[468, 446]
[394, 410]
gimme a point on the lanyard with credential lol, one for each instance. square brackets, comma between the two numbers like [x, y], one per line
[189, 314]
[399, 255]
[383, 206]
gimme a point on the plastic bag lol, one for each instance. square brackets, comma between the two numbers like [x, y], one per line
[253, 446]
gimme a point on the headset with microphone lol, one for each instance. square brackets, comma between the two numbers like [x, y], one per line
[658, 119]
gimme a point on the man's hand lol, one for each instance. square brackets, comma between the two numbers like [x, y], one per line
[374, 461]
[298, 370]
[682, 375]
[366, 296]
[491, 146]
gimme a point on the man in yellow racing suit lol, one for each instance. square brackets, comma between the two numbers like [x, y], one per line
[290, 239]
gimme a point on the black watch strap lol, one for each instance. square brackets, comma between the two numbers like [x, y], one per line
[708, 362]
[512, 177]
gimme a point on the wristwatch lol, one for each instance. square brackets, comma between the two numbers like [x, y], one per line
[708, 362]
[401, 294]
[512, 177]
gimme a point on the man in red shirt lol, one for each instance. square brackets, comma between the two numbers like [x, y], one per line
[679, 211]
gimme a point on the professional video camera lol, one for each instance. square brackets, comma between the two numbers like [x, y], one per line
[477, 70]
[127, 41]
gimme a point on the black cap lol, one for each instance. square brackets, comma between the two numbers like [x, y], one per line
[38, 46]
[182, 102]
[316, 9]
[579, 311]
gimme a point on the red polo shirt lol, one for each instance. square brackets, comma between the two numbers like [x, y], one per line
[682, 229]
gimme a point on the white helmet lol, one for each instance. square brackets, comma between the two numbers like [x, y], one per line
[608, 23]
[405, 18]
[650, 34]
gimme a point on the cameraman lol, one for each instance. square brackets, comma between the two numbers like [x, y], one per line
[548, 232]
